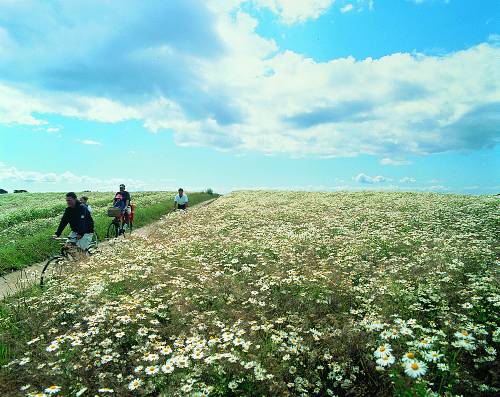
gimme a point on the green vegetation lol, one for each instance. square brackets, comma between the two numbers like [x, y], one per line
[28, 220]
[273, 294]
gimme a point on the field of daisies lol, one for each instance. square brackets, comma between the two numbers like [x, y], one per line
[273, 294]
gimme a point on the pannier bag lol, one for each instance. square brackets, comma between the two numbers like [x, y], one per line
[132, 212]
[113, 212]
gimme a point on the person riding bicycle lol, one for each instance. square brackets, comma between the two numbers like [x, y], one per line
[85, 201]
[181, 200]
[122, 201]
[80, 221]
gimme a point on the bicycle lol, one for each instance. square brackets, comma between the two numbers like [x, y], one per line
[114, 228]
[55, 264]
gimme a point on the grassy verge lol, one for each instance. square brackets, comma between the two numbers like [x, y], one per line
[19, 250]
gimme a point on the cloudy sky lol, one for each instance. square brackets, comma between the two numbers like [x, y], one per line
[282, 94]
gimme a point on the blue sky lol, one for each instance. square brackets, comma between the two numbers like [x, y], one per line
[275, 94]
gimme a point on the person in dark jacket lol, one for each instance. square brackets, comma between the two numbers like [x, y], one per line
[80, 221]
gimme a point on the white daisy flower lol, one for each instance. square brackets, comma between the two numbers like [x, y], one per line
[465, 344]
[167, 368]
[197, 354]
[181, 361]
[491, 350]
[382, 350]
[408, 356]
[443, 367]
[54, 389]
[415, 368]
[386, 360]
[151, 370]
[425, 343]
[463, 335]
[134, 384]
[52, 347]
[433, 356]
[165, 350]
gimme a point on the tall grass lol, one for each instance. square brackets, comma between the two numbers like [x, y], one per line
[25, 233]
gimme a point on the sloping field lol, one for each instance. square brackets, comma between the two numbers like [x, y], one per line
[28, 220]
[274, 294]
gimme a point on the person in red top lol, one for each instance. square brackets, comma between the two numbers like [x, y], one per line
[122, 201]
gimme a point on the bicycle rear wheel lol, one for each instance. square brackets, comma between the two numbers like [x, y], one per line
[53, 268]
[128, 229]
[112, 230]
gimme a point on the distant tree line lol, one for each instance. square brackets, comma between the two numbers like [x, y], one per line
[3, 191]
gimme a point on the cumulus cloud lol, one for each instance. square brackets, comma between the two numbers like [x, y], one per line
[90, 142]
[394, 162]
[217, 83]
[14, 175]
[407, 179]
[366, 179]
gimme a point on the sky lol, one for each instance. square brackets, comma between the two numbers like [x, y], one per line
[313, 95]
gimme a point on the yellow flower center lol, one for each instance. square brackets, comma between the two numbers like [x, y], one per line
[410, 355]
[382, 348]
[465, 333]
[414, 366]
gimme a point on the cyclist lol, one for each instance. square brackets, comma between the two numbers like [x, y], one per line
[181, 200]
[122, 201]
[80, 221]
[85, 201]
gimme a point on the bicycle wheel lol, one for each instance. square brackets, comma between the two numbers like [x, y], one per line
[53, 268]
[95, 240]
[128, 229]
[112, 230]
[94, 245]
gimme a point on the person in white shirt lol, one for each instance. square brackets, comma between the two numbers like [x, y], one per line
[181, 200]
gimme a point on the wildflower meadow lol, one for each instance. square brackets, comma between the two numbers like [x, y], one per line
[273, 294]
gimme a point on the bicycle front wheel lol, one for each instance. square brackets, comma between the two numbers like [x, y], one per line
[53, 268]
[112, 230]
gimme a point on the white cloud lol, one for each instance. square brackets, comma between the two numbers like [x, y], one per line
[437, 188]
[255, 97]
[366, 179]
[68, 179]
[394, 162]
[294, 11]
[90, 142]
[407, 179]
[17, 106]
[348, 7]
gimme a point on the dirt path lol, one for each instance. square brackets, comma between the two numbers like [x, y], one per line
[17, 281]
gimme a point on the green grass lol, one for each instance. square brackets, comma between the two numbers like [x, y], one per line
[28, 221]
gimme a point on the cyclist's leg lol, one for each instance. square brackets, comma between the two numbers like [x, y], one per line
[71, 241]
[84, 242]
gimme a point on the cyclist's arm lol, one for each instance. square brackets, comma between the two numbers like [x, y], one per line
[63, 223]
